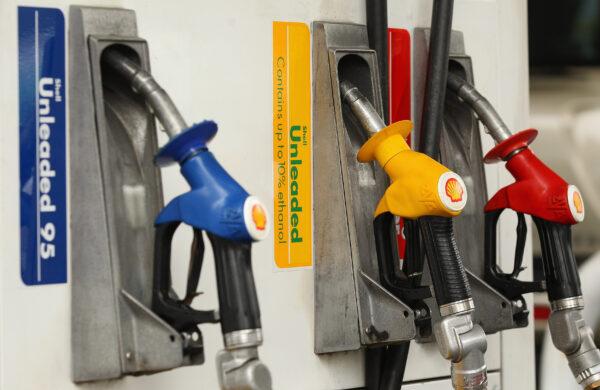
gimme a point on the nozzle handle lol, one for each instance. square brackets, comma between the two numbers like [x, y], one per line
[445, 263]
[560, 267]
[238, 303]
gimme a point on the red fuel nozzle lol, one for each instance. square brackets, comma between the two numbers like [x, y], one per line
[537, 190]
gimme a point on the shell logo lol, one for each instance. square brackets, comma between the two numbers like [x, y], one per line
[576, 205]
[454, 190]
[259, 217]
[256, 219]
[578, 202]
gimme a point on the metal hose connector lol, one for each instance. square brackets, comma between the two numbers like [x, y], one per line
[144, 84]
[485, 111]
[470, 373]
[575, 339]
[463, 343]
[241, 368]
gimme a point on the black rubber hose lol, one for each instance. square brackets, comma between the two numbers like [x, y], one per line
[445, 264]
[437, 74]
[377, 29]
[448, 274]
[394, 366]
[386, 372]
[373, 367]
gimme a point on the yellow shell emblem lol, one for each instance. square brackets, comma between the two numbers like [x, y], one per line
[259, 217]
[454, 190]
[578, 202]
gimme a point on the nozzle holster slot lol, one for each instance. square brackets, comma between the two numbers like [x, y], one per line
[353, 308]
[115, 195]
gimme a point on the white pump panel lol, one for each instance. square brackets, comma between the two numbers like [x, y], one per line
[215, 59]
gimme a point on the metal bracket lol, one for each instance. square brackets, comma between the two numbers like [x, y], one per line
[352, 309]
[115, 195]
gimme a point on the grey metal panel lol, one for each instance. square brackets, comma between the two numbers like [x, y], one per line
[335, 295]
[348, 297]
[115, 194]
[89, 237]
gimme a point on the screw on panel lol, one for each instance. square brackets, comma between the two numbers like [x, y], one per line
[371, 331]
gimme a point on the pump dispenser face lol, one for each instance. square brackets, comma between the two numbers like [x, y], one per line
[116, 193]
[123, 298]
[226, 217]
[352, 307]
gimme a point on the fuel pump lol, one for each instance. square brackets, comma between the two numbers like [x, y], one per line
[423, 188]
[230, 217]
[554, 206]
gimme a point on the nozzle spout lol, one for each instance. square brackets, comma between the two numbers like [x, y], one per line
[143, 83]
[361, 107]
[482, 107]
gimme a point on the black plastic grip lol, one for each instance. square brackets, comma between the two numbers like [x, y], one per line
[390, 274]
[507, 283]
[165, 303]
[238, 303]
[560, 267]
[445, 263]
[403, 282]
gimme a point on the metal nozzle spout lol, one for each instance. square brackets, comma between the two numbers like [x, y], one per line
[345, 88]
[361, 107]
[143, 83]
[350, 93]
[482, 107]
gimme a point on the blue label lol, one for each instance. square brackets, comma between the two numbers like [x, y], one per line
[42, 146]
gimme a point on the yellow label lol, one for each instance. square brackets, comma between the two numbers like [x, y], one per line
[292, 172]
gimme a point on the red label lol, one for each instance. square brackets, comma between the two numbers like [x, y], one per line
[399, 95]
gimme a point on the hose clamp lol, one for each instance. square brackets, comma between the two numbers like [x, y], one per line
[243, 338]
[464, 306]
[567, 303]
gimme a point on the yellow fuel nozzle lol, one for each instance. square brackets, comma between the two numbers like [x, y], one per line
[420, 186]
